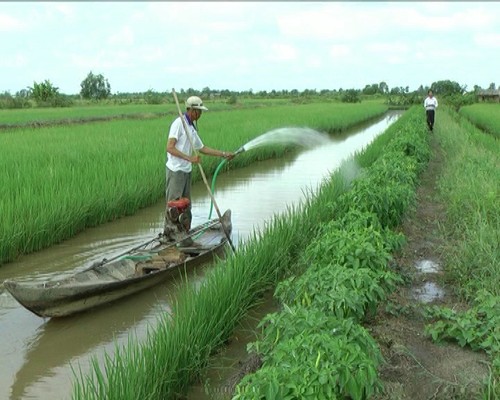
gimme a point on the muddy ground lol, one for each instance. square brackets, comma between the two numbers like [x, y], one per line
[415, 368]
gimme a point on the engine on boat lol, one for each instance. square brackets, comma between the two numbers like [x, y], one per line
[179, 213]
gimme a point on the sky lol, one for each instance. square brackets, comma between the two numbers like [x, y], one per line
[239, 46]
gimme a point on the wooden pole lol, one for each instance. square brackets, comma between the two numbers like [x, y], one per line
[202, 172]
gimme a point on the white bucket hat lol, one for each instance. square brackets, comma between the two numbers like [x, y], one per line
[195, 102]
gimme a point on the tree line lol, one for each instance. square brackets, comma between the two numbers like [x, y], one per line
[95, 87]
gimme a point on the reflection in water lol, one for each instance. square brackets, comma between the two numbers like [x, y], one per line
[37, 354]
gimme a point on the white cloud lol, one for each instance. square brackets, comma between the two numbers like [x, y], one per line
[17, 60]
[124, 37]
[340, 51]
[392, 53]
[331, 21]
[103, 60]
[440, 17]
[9, 23]
[283, 52]
[488, 40]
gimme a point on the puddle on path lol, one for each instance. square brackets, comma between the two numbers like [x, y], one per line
[427, 266]
[428, 292]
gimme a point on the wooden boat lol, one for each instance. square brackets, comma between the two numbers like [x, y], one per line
[135, 270]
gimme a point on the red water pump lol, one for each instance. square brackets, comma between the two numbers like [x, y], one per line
[179, 212]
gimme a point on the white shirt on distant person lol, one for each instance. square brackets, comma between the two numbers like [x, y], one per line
[430, 103]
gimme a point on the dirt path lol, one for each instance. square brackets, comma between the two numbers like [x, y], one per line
[416, 368]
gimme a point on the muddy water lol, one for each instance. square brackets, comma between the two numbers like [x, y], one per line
[37, 355]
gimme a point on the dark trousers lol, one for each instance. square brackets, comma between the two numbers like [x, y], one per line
[430, 119]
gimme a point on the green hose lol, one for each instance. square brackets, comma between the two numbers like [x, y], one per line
[221, 164]
[219, 167]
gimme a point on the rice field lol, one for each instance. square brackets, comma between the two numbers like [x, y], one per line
[485, 116]
[470, 187]
[58, 181]
[32, 115]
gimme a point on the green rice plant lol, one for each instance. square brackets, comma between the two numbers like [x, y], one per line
[88, 113]
[311, 355]
[485, 116]
[469, 187]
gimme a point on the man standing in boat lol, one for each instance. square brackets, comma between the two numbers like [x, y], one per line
[180, 157]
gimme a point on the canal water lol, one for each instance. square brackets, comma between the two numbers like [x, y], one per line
[38, 355]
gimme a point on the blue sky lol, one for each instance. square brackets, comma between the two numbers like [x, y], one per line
[238, 46]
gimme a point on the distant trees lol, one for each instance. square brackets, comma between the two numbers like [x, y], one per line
[383, 87]
[350, 96]
[44, 91]
[46, 95]
[376, 88]
[447, 88]
[95, 87]
[152, 97]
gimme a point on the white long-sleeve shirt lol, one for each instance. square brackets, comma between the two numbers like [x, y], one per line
[430, 103]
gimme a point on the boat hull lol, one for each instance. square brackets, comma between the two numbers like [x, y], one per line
[134, 272]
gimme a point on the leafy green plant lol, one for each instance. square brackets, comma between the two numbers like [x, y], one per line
[345, 292]
[350, 248]
[478, 327]
[310, 355]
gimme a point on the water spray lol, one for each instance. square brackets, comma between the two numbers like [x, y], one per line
[240, 150]
[304, 137]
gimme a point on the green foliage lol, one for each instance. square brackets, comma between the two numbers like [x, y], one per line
[152, 97]
[478, 327]
[351, 248]
[350, 96]
[344, 292]
[403, 98]
[95, 87]
[345, 268]
[20, 100]
[44, 91]
[447, 88]
[457, 101]
[232, 100]
[310, 355]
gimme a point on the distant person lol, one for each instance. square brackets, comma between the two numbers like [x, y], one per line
[430, 104]
[180, 157]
